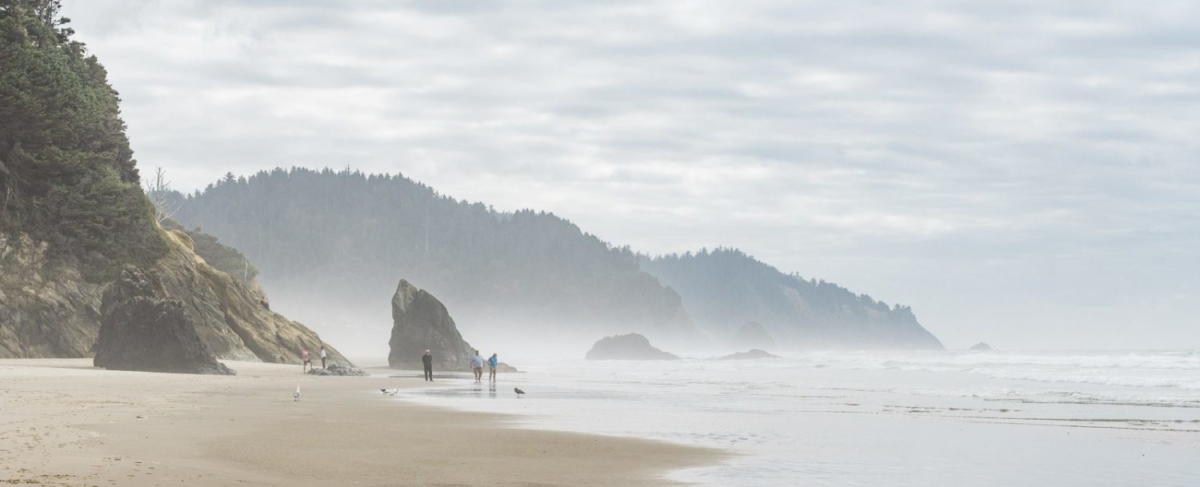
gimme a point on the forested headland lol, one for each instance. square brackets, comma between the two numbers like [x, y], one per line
[332, 243]
[74, 216]
[346, 239]
[725, 288]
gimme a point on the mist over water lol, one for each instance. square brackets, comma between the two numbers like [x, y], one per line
[903, 418]
[874, 418]
[362, 328]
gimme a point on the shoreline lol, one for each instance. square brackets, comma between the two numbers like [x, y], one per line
[66, 423]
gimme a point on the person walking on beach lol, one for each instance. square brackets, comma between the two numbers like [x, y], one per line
[477, 366]
[322, 356]
[427, 361]
[307, 363]
[492, 361]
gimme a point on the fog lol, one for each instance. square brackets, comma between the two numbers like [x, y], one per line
[1023, 175]
[360, 329]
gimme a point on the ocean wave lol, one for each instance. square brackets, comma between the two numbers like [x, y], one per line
[1189, 383]
[940, 362]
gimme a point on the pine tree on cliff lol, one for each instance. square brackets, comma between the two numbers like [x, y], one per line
[67, 174]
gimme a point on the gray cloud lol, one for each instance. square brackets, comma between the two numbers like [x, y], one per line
[1020, 172]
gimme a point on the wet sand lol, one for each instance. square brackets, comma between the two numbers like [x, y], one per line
[64, 423]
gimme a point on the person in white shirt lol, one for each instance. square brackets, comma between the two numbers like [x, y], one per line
[477, 366]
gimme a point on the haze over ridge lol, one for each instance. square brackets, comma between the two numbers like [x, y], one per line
[1020, 176]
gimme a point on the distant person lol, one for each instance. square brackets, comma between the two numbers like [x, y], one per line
[492, 361]
[307, 362]
[323, 355]
[477, 366]
[427, 361]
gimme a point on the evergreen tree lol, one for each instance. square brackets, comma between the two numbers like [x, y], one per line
[67, 173]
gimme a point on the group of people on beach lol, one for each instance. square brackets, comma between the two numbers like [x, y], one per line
[306, 361]
[476, 366]
[426, 360]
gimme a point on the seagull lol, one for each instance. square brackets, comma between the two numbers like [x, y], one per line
[518, 391]
[296, 395]
[390, 392]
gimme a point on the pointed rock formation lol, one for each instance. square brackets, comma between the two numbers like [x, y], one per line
[420, 322]
[627, 347]
[145, 330]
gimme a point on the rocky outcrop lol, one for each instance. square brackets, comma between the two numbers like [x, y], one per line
[627, 347]
[50, 310]
[420, 322]
[231, 317]
[44, 311]
[144, 329]
[752, 335]
[981, 347]
[339, 370]
[750, 355]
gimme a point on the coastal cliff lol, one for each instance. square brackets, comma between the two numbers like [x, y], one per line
[52, 311]
[44, 314]
[73, 214]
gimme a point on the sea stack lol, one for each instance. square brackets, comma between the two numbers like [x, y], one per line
[627, 347]
[752, 335]
[420, 322]
[981, 347]
[750, 355]
[142, 329]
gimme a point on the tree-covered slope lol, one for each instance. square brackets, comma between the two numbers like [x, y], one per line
[72, 213]
[67, 174]
[348, 238]
[341, 240]
[725, 288]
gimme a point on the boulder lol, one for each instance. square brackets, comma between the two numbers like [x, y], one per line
[144, 329]
[420, 322]
[981, 347]
[627, 347]
[339, 370]
[750, 355]
[752, 335]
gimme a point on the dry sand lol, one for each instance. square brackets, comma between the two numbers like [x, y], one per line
[63, 422]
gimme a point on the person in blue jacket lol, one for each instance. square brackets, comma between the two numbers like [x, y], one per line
[492, 368]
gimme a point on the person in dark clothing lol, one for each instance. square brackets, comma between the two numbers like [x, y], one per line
[427, 360]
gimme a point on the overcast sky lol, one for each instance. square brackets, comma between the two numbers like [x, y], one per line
[1023, 173]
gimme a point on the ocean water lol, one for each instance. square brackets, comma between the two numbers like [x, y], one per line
[881, 418]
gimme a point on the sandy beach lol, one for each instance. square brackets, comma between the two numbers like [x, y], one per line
[64, 423]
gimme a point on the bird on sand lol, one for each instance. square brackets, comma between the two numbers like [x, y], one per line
[296, 395]
[518, 391]
[390, 392]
